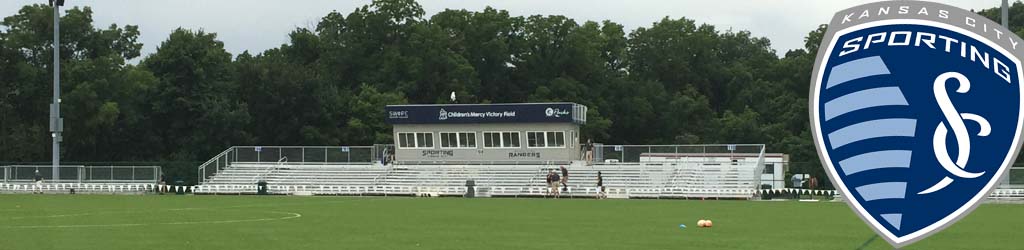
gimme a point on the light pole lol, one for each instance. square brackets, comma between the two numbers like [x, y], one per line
[56, 123]
[1006, 16]
[1005, 11]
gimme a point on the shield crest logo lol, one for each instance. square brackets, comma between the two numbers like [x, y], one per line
[916, 112]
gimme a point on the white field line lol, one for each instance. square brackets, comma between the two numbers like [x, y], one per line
[290, 215]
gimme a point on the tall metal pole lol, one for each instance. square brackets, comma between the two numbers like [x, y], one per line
[1005, 11]
[1006, 16]
[56, 123]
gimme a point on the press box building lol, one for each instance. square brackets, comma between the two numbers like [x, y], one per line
[513, 133]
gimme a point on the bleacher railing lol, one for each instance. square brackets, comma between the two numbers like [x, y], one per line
[706, 153]
[296, 155]
[83, 174]
[747, 159]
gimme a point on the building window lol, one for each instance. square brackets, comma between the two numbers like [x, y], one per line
[406, 140]
[467, 140]
[769, 168]
[424, 140]
[458, 140]
[510, 140]
[556, 139]
[492, 139]
[572, 139]
[449, 140]
[549, 139]
[501, 140]
[535, 139]
[415, 140]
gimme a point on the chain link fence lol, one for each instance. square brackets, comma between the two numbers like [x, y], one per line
[83, 173]
[299, 154]
[292, 154]
[654, 153]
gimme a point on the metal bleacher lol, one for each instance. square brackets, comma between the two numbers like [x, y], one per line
[665, 180]
[635, 173]
[241, 178]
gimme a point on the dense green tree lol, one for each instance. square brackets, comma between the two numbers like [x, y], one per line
[195, 104]
[689, 118]
[364, 127]
[287, 98]
[101, 94]
[488, 41]
[789, 109]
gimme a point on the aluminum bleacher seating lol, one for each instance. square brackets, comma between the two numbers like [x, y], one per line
[647, 180]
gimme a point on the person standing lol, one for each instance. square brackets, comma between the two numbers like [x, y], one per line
[549, 179]
[565, 178]
[162, 185]
[391, 155]
[589, 154]
[600, 186]
[555, 180]
[39, 182]
[813, 185]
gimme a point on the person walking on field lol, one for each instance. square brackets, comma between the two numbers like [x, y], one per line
[600, 186]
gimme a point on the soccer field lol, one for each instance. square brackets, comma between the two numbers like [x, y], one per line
[279, 222]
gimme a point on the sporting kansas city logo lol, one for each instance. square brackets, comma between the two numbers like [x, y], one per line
[916, 112]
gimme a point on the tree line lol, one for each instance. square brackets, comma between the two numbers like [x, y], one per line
[676, 81]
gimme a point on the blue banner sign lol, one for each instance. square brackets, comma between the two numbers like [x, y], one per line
[486, 113]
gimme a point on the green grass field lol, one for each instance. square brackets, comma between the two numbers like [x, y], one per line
[250, 222]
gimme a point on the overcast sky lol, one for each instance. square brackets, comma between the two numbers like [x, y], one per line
[257, 25]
